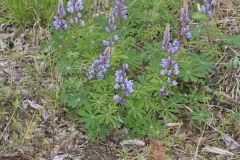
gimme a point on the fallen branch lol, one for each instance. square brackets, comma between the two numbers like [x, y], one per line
[230, 100]
[217, 151]
[199, 142]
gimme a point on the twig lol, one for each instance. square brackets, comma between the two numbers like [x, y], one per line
[234, 51]
[221, 133]
[5, 129]
[199, 142]
[230, 100]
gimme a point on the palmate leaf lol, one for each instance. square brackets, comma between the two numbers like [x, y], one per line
[155, 65]
[102, 92]
[152, 50]
[201, 115]
[145, 93]
[73, 93]
[137, 127]
[193, 67]
[133, 59]
[89, 117]
[109, 115]
[98, 133]
[74, 99]
[90, 39]
[190, 72]
[167, 110]
[136, 109]
[195, 98]
[147, 126]
[67, 63]
[204, 61]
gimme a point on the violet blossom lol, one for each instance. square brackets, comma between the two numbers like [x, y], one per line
[207, 7]
[120, 10]
[74, 7]
[185, 22]
[100, 66]
[123, 84]
[110, 29]
[59, 21]
[170, 67]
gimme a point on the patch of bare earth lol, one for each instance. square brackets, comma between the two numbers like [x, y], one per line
[31, 124]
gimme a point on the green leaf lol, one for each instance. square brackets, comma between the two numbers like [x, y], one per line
[201, 115]
[88, 117]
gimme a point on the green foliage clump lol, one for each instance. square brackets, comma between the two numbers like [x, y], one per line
[145, 112]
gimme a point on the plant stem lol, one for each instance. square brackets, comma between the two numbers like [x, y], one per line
[208, 35]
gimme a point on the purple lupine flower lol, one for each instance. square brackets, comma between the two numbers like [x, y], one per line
[173, 47]
[175, 69]
[74, 7]
[115, 38]
[110, 29]
[174, 83]
[170, 67]
[107, 43]
[59, 22]
[207, 7]
[185, 22]
[120, 10]
[125, 66]
[100, 66]
[119, 100]
[166, 38]
[164, 92]
[123, 83]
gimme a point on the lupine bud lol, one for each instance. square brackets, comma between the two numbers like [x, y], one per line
[125, 66]
[100, 66]
[166, 38]
[115, 38]
[110, 29]
[74, 7]
[59, 22]
[120, 10]
[185, 22]
[207, 7]
[119, 100]
[164, 92]
[174, 83]
[122, 83]
[106, 43]
[175, 69]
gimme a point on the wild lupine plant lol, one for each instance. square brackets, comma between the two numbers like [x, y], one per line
[100, 103]
[185, 22]
[170, 67]
[59, 22]
[123, 84]
[110, 29]
[120, 10]
[74, 7]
